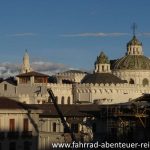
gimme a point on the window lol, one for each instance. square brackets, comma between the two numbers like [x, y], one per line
[12, 146]
[107, 68]
[43, 101]
[40, 80]
[68, 100]
[131, 81]
[145, 82]
[24, 80]
[102, 67]
[54, 127]
[5, 87]
[62, 100]
[25, 124]
[11, 125]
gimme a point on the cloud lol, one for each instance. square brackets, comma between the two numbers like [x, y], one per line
[48, 67]
[22, 34]
[95, 34]
[145, 34]
[8, 69]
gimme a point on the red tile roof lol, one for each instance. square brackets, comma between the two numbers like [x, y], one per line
[32, 73]
[7, 103]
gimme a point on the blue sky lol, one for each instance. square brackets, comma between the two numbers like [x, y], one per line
[71, 32]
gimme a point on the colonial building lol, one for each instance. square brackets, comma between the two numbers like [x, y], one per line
[127, 79]
[29, 121]
[111, 82]
[18, 125]
[37, 126]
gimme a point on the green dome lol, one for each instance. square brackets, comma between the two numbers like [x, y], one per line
[134, 41]
[132, 62]
[102, 59]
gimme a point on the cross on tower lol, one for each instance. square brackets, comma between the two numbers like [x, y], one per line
[134, 27]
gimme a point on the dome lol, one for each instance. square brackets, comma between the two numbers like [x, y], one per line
[102, 59]
[132, 62]
[134, 41]
[102, 78]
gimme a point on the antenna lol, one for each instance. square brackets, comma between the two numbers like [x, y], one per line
[134, 27]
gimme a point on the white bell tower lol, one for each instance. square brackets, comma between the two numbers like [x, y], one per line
[26, 63]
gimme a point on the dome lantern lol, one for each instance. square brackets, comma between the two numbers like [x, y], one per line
[102, 64]
[134, 47]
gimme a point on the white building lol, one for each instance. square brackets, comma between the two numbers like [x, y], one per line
[18, 125]
[124, 79]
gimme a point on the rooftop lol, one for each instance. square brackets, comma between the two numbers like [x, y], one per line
[102, 78]
[32, 73]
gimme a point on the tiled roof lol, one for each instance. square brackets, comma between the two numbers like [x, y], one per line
[7, 103]
[67, 110]
[102, 78]
[132, 62]
[32, 73]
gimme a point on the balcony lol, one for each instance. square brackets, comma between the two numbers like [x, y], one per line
[13, 134]
[2, 135]
[27, 134]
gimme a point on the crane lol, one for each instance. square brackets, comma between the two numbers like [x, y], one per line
[53, 98]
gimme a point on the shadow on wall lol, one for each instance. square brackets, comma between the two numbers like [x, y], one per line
[16, 140]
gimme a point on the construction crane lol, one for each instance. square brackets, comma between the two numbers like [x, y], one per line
[66, 127]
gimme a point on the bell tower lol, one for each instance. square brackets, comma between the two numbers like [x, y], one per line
[26, 63]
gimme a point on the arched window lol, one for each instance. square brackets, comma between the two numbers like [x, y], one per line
[102, 67]
[107, 68]
[62, 100]
[68, 100]
[131, 81]
[54, 127]
[145, 82]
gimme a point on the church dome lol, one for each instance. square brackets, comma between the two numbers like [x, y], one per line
[134, 58]
[132, 62]
[102, 59]
[134, 41]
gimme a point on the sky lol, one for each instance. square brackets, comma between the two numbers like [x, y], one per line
[69, 34]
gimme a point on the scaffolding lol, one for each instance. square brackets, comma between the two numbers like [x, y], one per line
[123, 119]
